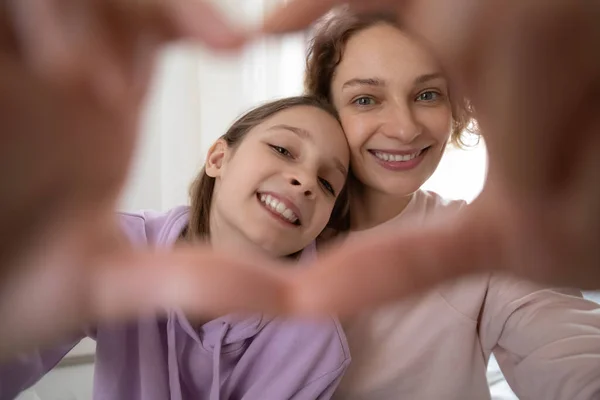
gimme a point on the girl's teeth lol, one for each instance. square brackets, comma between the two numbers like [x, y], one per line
[288, 214]
[396, 157]
[278, 207]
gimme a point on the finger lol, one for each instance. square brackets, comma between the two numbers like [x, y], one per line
[297, 14]
[8, 43]
[388, 265]
[41, 37]
[583, 223]
[196, 280]
[132, 36]
[536, 99]
[197, 20]
[57, 37]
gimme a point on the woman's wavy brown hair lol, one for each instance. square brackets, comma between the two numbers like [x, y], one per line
[326, 50]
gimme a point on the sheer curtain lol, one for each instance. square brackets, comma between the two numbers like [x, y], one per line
[195, 98]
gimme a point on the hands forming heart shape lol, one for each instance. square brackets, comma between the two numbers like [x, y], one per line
[75, 72]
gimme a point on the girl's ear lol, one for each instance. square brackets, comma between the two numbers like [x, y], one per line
[216, 158]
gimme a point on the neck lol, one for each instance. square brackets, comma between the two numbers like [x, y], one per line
[225, 238]
[370, 208]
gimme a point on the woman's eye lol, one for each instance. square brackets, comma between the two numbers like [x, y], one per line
[327, 186]
[428, 96]
[281, 150]
[364, 101]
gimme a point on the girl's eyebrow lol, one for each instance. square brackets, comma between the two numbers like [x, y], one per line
[304, 134]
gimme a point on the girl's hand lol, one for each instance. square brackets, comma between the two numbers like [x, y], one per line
[73, 76]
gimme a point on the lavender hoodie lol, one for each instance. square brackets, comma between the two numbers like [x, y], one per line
[249, 358]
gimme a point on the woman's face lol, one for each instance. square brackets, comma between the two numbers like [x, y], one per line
[394, 106]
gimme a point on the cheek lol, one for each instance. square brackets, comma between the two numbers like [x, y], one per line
[438, 123]
[323, 212]
[358, 130]
[244, 173]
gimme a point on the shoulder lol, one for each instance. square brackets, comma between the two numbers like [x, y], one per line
[465, 296]
[322, 339]
[153, 227]
[433, 203]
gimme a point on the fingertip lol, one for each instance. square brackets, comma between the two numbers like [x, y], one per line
[296, 15]
[203, 22]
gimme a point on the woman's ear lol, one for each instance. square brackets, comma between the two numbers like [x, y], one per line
[216, 158]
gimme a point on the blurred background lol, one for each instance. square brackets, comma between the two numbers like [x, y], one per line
[195, 97]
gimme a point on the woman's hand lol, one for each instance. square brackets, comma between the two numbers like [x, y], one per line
[534, 80]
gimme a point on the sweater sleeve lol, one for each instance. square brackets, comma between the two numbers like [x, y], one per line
[546, 341]
[22, 372]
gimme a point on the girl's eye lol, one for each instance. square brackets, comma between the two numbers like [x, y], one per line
[364, 101]
[327, 186]
[281, 150]
[428, 96]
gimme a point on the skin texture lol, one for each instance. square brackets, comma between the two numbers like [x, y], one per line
[71, 95]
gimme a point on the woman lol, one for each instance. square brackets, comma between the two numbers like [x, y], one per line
[399, 113]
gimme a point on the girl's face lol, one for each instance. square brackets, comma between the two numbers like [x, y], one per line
[277, 188]
[394, 106]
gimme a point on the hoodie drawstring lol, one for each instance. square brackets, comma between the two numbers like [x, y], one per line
[173, 363]
[215, 391]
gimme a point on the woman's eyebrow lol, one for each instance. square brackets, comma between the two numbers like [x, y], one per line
[377, 82]
[428, 77]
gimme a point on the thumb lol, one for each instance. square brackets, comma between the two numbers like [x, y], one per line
[195, 279]
[389, 264]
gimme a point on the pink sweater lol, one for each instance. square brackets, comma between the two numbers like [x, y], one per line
[437, 346]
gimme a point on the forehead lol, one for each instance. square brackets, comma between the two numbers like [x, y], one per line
[385, 52]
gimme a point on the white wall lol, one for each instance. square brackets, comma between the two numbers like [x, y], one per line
[196, 96]
[461, 173]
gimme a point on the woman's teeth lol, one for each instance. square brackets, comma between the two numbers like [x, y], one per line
[279, 208]
[396, 157]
